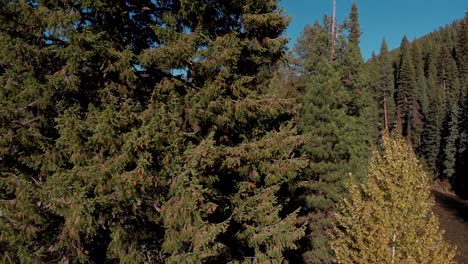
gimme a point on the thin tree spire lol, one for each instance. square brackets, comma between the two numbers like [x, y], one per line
[333, 33]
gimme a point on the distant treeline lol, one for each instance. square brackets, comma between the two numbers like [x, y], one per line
[421, 89]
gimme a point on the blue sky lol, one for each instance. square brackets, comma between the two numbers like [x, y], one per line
[391, 19]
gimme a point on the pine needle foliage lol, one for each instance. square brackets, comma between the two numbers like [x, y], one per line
[389, 219]
[430, 98]
[144, 131]
[334, 119]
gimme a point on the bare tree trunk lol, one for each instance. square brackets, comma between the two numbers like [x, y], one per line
[399, 121]
[385, 113]
[333, 33]
[408, 135]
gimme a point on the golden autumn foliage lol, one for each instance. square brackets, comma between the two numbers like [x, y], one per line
[389, 220]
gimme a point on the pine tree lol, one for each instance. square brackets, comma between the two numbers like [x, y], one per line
[352, 57]
[422, 99]
[406, 93]
[389, 220]
[449, 143]
[144, 131]
[334, 122]
[431, 137]
[330, 136]
[350, 66]
[462, 52]
[312, 47]
[430, 86]
[448, 77]
[384, 87]
[460, 181]
[354, 27]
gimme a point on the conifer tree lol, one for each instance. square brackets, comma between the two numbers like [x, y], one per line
[312, 47]
[448, 77]
[439, 88]
[406, 93]
[421, 90]
[460, 181]
[449, 143]
[384, 90]
[351, 65]
[431, 137]
[330, 134]
[354, 27]
[389, 219]
[462, 51]
[143, 131]
[334, 121]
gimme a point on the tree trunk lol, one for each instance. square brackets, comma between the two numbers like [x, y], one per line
[333, 33]
[385, 114]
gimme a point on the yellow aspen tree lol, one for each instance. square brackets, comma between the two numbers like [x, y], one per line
[389, 219]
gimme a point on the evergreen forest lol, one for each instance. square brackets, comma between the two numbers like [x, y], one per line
[186, 131]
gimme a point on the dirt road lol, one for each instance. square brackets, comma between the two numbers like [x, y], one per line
[453, 217]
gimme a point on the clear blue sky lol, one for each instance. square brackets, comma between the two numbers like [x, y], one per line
[391, 19]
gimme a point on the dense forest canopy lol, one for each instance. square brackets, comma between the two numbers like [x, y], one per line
[424, 84]
[177, 131]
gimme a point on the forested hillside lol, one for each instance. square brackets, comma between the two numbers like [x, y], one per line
[185, 132]
[421, 89]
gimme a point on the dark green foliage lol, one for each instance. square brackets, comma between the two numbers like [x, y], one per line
[450, 134]
[351, 64]
[387, 84]
[460, 181]
[406, 93]
[432, 124]
[353, 25]
[431, 98]
[144, 131]
[448, 77]
[312, 47]
[334, 120]
[462, 53]
[379, 72]
[422, 99]
[331, 146]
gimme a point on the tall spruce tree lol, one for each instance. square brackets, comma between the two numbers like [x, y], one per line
[460, 181]
[383, 84]
[351, 65]
[406, 100]
[421, 96]
[389, 219]
[330, 134]
[462, 51]
[312, 47]
[143, 131]
[337, 139]
[431, 92]
[448, 78]
[354, 26]
[449, 143]
[431, 136]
